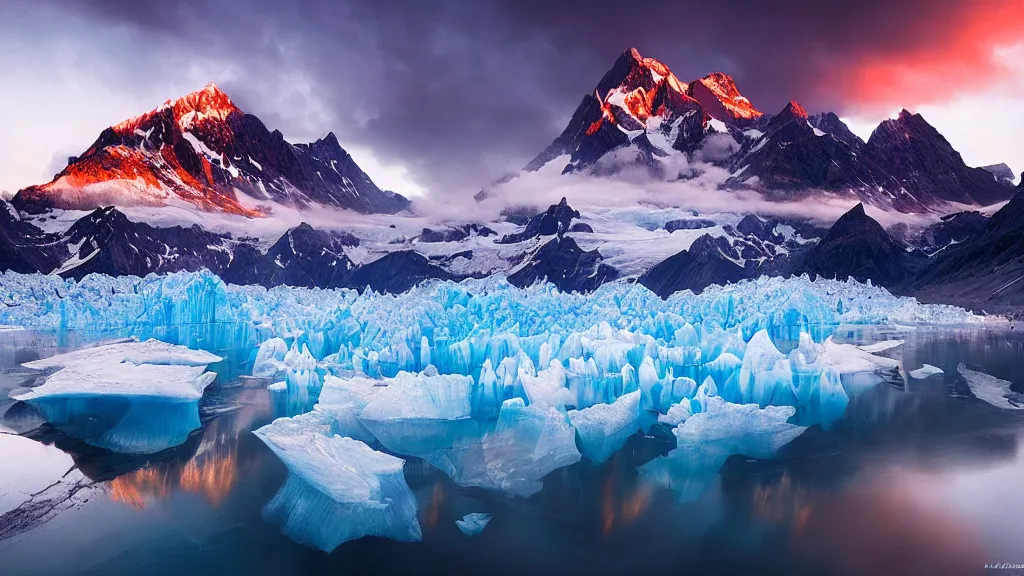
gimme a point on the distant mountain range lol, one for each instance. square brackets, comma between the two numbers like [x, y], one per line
[641, 114]
[203, 150]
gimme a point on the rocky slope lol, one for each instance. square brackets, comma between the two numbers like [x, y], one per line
[202, 150]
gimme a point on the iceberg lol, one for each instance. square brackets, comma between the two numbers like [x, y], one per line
[342, 400]
[925, 371]
[705, 440]
[130, 397]
[473, 523]
[338, 489]
[417, 414]
[992, 390]
[603, 429]
[525, 444]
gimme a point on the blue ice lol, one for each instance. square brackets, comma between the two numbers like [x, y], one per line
[338, 489]
[130, 397]
[473, 523]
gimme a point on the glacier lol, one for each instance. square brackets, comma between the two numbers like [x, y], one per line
[130, 397]
[495, 386]
[338, 489]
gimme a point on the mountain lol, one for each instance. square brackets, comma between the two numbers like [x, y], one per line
[857, 246]
[641, 115]
[639, 106]
[791, 156]
[304, 256]
[24, 247]
[914, 157]
[201, 149]
[986, 271]
[709, 260]
[563, 263]
[952, 229]
[107, 242]
[1001, 172]
[397, 272]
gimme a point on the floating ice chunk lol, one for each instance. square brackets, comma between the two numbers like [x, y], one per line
[338, 489]
[418, 414]
[28, 467]
[849, 359]
[925, 371]
[604, 428]
[748, 429]
[473, 523]
[343, 400]
[991, 389]
[706, 439]
[882, 346]
[526, 444]
[163, 381]
[103, 397]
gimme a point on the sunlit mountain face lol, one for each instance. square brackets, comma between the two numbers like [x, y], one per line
[642, 117]
[202, 150]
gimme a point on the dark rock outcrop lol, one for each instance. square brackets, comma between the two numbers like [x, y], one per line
[396, 272]
[555, 220]
[563, 263]
[709, 260]
[688, 224]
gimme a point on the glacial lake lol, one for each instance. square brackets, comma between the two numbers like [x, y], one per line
[917, 478]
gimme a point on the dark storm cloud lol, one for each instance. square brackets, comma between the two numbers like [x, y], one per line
[462, 91]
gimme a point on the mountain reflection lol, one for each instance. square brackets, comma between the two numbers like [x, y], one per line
[211, 472]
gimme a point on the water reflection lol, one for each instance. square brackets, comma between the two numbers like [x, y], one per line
[920, 479]
[211, 472]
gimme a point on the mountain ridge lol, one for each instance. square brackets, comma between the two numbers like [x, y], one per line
[202, 150]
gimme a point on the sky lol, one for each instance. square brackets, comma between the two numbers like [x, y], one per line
[444, 96]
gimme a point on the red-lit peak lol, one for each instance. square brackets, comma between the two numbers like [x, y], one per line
[722, 88]
[795, 109]
[645, 88]
[210, 103]
[657, 71]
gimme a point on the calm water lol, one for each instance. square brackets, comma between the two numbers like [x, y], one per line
[918, 479]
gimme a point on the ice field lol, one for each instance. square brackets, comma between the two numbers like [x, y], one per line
[494, 386]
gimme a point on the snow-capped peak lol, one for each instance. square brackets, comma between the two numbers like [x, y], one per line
[209, 103]
[718, 95]
[637, 88]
